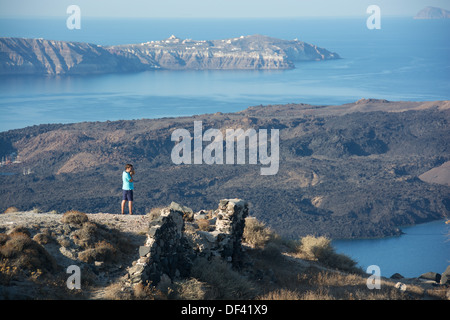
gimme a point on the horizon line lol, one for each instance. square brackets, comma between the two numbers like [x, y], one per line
[202, 17]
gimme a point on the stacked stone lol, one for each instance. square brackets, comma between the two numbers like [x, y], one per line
[168, 252]
[165, 253]
[226, 226]
[230, 224]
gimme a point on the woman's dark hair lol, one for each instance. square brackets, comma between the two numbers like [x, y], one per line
[131, 167]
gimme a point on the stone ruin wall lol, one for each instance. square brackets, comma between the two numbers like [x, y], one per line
[175, 240]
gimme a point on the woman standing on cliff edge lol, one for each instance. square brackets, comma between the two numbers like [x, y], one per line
[127, 188]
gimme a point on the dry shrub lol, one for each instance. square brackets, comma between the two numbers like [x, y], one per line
[335, 279]
[11, 210]
[313, 248]
[20, 251]
[256, 233]
[341, 262]
[88, 255]
[36, 210]
[44, 237]
[20, 229]
[86, 236]
[154, 213]
[147, 292]
[320, 249]
[228, 283]
[103, 251]
[271, 253]
[74, 217]
[15, 244]
[115, 292]
[281, 294]
[3, 238]
[318, 294]
[97, 242]
[7, 272]
[193, 289]
[285, 294]
[141, 292]
[203, 224]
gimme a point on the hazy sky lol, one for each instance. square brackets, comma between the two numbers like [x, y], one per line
[212, 8]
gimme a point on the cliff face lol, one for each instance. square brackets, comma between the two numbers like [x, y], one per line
[250, 52]
[39, 56]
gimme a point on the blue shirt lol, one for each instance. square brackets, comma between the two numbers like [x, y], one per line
[127, 185]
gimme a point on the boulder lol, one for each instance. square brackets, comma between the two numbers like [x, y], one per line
[401, 286]
[433, 276]
[445, 277]
[188, 213]
[143, 250]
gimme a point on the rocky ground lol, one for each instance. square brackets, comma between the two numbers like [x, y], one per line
[131, 228]
[100, 276]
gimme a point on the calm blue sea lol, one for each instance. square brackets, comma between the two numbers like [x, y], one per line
[406, 60]
[423, 248]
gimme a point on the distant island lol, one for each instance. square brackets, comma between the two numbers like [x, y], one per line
[432, 13]
[49, 57]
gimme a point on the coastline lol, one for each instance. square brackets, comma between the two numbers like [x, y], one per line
[418, 245]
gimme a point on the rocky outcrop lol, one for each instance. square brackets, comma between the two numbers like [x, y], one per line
[245, 52]
[174, 240]
[49, 57]
[445, 277]
[426, 280]
[439, 175]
